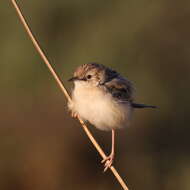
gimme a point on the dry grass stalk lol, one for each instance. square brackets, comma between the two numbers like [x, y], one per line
[44, 58]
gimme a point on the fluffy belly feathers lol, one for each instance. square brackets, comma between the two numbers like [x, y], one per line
[99, 108]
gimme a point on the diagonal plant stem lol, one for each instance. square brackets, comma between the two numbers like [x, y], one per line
[44, 58]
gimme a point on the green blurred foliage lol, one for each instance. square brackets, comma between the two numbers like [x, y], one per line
[41, 147]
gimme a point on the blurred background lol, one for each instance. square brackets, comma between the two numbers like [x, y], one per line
[42, 147]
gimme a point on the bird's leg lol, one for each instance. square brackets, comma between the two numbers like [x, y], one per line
[109, 159]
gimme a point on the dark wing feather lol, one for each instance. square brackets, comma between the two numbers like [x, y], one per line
[120, 88]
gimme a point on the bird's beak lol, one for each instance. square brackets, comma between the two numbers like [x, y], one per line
[73, 79]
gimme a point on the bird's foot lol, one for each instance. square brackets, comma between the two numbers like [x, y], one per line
[74, 114]
[72, 109]
[108, 161]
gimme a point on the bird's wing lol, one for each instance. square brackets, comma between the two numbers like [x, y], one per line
[120, 88]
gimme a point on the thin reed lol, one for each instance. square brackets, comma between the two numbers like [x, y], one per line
[44, 58]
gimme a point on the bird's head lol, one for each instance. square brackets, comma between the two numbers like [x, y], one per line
[89, 74]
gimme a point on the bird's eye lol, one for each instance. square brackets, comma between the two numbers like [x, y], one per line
[89, 76]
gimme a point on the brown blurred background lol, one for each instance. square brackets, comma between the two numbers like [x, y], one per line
[41, 147]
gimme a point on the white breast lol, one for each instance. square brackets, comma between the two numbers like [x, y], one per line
[99, 107]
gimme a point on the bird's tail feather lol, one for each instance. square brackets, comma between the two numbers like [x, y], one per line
[136, 105]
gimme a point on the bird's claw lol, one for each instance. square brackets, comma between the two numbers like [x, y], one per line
[108, 161]
[74, 114]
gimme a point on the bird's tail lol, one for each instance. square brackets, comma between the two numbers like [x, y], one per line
[136, 105]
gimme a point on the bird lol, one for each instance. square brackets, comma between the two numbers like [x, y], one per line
[104, 98]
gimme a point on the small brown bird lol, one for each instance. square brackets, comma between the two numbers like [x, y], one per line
[104, 98]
